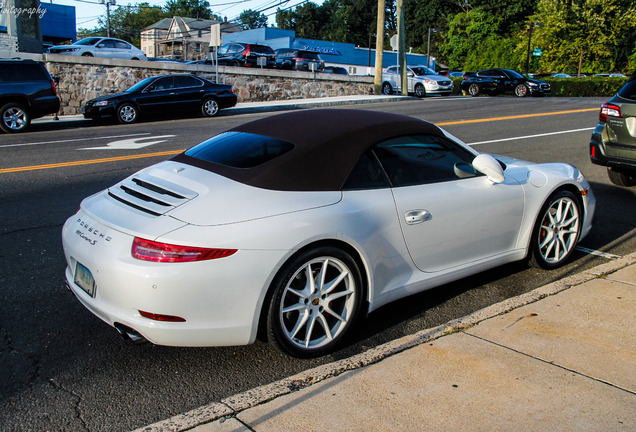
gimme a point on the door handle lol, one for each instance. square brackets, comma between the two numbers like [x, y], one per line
[414, 217]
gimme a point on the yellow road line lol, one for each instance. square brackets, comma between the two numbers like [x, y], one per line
[516, 117]
[88, 162]
[172, 152]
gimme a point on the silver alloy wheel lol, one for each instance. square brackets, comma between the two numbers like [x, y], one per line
[318, 303]
[473, 90]
[386, 89]
[15, 118]
[559, 230]
[420, 92]
[127, 113]
[210, 107]
[521, 90]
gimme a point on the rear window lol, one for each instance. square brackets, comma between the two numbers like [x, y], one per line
[261, 49]
[239, 149]
[628, 91]
[22, 72]
[308, 55]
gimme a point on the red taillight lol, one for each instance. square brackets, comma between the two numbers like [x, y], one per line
[593, 151]
[161, 317]
[609, 110]
[53, 87]
[147, 250]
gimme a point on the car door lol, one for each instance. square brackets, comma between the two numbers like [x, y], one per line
[188, 92]
[391, 75]
[450, 215]
[106, 48]
[158, 97]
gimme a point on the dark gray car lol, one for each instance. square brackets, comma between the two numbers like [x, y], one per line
[613, 142]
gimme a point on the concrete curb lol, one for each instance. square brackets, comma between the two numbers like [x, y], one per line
[235, 404]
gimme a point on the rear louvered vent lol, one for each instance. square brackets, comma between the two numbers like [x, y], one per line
[151, 194]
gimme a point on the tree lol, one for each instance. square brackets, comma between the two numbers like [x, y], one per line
[189, 8]
[126, 22]
[598, 34]
[251, 19]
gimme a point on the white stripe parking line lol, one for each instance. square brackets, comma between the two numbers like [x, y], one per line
[530, 136]
[597, 253]
[73, 140]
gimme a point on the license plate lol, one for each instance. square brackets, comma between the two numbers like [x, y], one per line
[84, 279]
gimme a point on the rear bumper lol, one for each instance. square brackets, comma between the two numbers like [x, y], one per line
[603, 152]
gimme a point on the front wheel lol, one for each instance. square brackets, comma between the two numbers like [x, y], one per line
[521, 90]
[317, 298]
[14, 118]
[473, 90]
[387, 89]
[420, 91]
[556, 231]
[210, 107]
[127, 113]
[620, 178]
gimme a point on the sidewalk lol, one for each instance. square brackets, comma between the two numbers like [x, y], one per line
[560, 358]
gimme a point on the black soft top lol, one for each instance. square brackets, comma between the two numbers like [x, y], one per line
[327, 144]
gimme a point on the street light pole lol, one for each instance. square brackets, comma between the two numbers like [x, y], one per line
[428, 46]
[532, 25]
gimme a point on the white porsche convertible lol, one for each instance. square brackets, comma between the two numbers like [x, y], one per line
[301, 223]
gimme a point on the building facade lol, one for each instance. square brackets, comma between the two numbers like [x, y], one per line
[357, 60]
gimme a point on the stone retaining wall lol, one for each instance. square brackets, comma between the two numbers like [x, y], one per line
[82, 79]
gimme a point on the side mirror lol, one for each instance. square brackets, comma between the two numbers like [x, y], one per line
[486, 164]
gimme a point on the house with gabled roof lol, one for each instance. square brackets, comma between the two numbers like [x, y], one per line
[181, 37]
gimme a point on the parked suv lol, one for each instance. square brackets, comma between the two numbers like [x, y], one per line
[244, 54]
[421, 81]
[289, 58]
[613, 142]
[27, 91]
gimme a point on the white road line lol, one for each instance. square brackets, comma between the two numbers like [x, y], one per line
[597, 253]
[73, 140]
[531, 136]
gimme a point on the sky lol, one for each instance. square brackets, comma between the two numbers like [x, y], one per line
[87, 12]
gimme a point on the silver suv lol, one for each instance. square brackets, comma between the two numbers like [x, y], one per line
[613, 142]
[422, 81]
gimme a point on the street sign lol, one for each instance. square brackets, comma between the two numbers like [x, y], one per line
[537, 52]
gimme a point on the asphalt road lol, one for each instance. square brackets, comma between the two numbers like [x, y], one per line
[63, 369]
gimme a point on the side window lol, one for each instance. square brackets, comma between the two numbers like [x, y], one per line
[165, 83]
[186, 81]
[423, 159]
[122, 45]
[367, 174]
[391, 70]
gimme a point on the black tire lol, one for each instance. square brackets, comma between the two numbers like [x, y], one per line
[621, 178]
[556, 231]
[521, 90]
[387, 89]
[14, 118]
[87, 54]
[210, 107]
[474, 89]
[127, 113]
[420, 91]
[310, 324]
[235, 63]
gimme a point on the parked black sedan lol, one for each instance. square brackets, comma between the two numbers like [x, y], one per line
[494, 81]
[163, 94]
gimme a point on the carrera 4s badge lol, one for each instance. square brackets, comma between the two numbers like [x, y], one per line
[92, 235]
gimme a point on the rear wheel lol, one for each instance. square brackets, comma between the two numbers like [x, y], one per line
[556, 231]
[317, 298]
[87, 54]
[620, 178]
[473, 89]
[235, 63]
[210, 107]
[14, 118]
[387, 89]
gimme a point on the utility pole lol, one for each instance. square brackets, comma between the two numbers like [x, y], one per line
[402, 47]
[379, 50]
[108, 3]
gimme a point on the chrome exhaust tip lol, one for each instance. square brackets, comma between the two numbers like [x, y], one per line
[129, 334]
